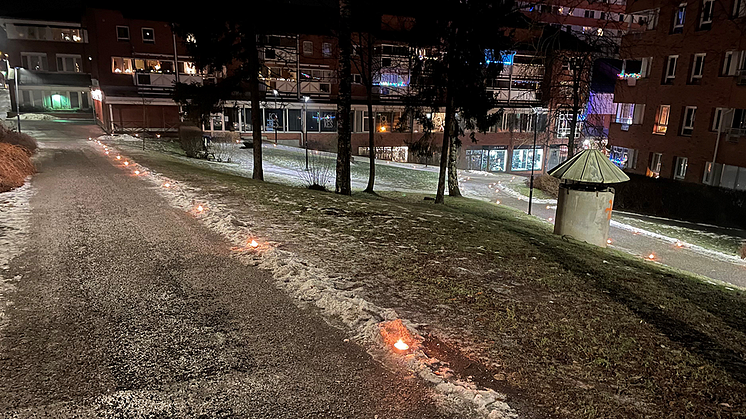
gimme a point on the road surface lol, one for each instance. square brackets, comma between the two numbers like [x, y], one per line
[127, 307]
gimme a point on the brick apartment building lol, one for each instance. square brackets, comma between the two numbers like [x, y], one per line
[54, 62]
[681, 97]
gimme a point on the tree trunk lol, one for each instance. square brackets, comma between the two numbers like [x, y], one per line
[453, 189]
[371, 121]
[344, 146]
[256, 114]
[445, 151]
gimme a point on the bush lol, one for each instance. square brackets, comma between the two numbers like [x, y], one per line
[16, 138]
[190, 138]
[15, 166]
[224, 145]
[319, 173]
[547, 184]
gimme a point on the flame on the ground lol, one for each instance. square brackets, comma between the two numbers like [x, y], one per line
[400, 345]
[254, 243]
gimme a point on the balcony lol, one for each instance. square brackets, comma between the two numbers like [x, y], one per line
[307, 87]
[515, 95]
[741, 77]
[734, 134]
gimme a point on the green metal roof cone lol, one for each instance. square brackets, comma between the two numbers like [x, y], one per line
[589, 166]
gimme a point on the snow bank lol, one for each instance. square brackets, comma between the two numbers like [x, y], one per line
[36, 117]
[14, 227]
[308, 283]
[517, 195]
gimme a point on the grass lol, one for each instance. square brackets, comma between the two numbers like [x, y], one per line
[525, 190]
[575, 331]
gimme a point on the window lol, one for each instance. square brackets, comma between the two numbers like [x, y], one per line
[629, 113]
[647, 64]
[654, 170]
[624, 158]
[123, 33]
[717, 115]
[356, 78]
[524, 158]
[121, 65]
[733, 62]
[274, 120]
[69, 63]
[326, 49]
[564, 127]
[739, 8]
[270, 54]
[307, 48]
[705, 20]
[621, 17]
[679, 18]
[148, 35]
[680, 168]
[670, 74]
[698, 64]
[590, 14]
[603, 16]
[34, 61]
[687, 125]
[661, 119]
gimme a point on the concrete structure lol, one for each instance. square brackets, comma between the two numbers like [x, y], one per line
[584, 203]
[681, 97]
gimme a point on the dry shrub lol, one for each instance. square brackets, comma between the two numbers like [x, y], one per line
[191, 140]
[548, 184]
[15, 166]
[742, 251]
[17, 138]
[223, 146]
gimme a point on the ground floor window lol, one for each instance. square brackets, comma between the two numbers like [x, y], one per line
[275, 120]
[654, 169]
[680, 168]
[397, 154]
[525, 158]
[491, 160]
[624, 158]
[45, 100]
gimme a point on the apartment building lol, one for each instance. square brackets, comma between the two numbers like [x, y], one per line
[681, 96]
[54, 63]
[135, 63]
[605, 21]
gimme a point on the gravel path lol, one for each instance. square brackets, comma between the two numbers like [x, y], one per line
[126, 307]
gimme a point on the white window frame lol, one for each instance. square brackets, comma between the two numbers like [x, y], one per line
[676, 23]
[307, 48]
[326, 49]
[671, 75]
[688, 125]
[739, 8]
[680, 168]
[717, 115]
[647, 64]
[730, 63]
[77, 59]
[660, 127]
[42, 60]
[656, 163]
[706, 18]
[128, 33]
[696, 75]
[147, 41]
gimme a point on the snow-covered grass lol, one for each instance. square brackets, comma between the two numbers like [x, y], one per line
[578, 331]
[15, 213]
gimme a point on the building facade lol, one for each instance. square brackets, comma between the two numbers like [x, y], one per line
[54, 63]
[681, 96]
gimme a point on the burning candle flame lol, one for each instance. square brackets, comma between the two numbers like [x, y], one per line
[199, 208]
[400, 345]
[608, 241]
[119, 157]
[166, 185]
[107, 153]
[126, 163]
[679, 243]
[651, 256]
[497, 202]
[254, 244]
[137, 172]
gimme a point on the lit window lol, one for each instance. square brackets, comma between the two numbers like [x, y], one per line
[123, 33]
[679, 18]
[661, 119]
[148, 35]
[525, 158]
[34, 61]
[121, 65]
[656, 161]
[688, 124]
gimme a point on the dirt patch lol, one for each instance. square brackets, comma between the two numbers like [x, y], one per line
[15, 166]
[16, 138]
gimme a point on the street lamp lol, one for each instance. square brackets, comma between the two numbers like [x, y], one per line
[274, 122]
[305, 133]
[535, 111]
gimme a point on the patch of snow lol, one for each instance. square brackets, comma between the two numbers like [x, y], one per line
[14, 226]
[308, 283]
[36, 117]
[517, 195]
[118, 137]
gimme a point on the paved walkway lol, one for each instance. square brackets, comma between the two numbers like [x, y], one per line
[127, 307]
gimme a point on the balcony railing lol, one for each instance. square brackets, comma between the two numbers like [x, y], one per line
[734, 134]
[163, 81]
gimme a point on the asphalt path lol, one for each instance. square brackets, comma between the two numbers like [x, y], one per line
[126, 307]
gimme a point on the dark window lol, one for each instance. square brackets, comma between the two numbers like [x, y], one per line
[123, 33]
[386, 62]
[269, 54]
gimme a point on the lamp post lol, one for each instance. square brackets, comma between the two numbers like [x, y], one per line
[305, 133]
[275, 120]
[533, 159]
[717, 145]
[18, 103]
